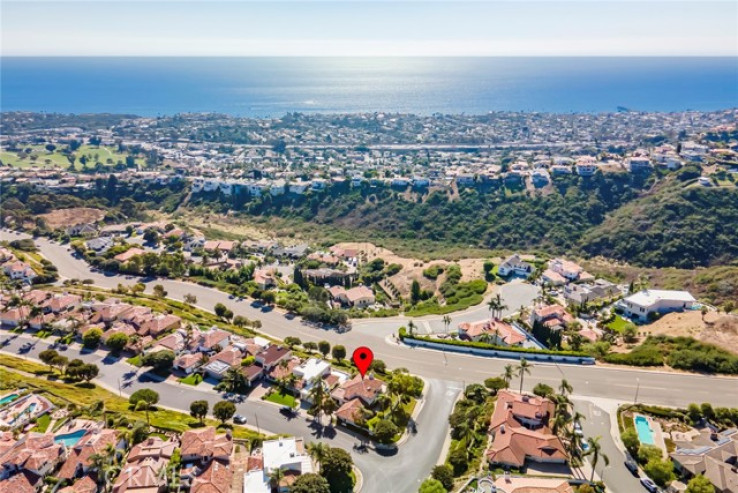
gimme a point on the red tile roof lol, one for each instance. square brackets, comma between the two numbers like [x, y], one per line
[513, 441]
[365, 389]
[503, 330]
[93, 442]
[205, 444]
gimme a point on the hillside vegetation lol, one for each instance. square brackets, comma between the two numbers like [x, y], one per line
[621, 216]
[679, 227]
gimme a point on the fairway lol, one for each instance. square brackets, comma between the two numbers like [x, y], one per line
[40, 157]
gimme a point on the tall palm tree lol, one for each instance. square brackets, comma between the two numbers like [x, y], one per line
[595, 450]
[509, 373]
[317, 395]
[318, 451]
[446, 322]
[498, 305]
[494, 305]
[275, 477]
[523, 369]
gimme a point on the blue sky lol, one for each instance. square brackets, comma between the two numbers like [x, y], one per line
[376, 28]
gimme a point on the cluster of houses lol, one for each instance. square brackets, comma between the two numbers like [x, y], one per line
[711, 454]
[71, 454]
[71, 313]
[15, 269]
[17, 410]
[205, 464]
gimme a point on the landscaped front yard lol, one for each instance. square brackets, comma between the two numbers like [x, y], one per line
[85, 395]
[193, 379]
[618, 324]
[281, 399]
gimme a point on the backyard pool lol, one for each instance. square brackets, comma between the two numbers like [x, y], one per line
[8, 399]
[645, 433]
[70, 439]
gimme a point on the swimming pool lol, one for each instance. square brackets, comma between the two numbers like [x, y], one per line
[645, 433]
[70, 439]
[8, 398]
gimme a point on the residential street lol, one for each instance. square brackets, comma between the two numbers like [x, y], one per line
[656, 387]
[446, 374]
[400, 470]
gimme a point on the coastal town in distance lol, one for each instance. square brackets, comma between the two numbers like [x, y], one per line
[550, 300]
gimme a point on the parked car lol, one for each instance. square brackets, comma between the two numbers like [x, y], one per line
[287, 410]
[632, 466]
[238, 419]
[649, 485]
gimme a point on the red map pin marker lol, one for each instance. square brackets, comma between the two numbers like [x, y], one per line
[363, 358]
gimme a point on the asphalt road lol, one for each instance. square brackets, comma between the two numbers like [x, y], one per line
[600, 422]
[654, 387]
[399, 470]
[446, 374]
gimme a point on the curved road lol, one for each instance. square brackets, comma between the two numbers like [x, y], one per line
[654, 387]
[445, 373]
[399, 470]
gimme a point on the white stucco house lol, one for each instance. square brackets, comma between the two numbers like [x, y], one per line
[641, 304]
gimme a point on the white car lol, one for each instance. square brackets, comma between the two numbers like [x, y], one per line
[649, 485]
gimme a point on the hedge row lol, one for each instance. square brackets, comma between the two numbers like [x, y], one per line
[483, 345]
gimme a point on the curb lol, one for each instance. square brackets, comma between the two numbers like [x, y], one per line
[359, 479]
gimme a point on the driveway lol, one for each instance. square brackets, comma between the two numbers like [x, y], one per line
[600, 421]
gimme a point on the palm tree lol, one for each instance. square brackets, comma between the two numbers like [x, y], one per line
[523, 369]
[509, 374]
[446, 322]
[565, 388]
[318, 451]
[276, 477]
[234, 379]
[328, 407]
[142, 405]
[488, 338]
[317, 395]
[595, 451]
[384, 401]
[496, 306]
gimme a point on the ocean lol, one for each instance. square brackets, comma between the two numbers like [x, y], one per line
[264, 87]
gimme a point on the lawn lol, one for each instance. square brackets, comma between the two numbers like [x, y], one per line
[282, 399]
[135, 360]
[619, 324]
[44, 158]
[42, 423]
[193, 379]
[85, 395]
